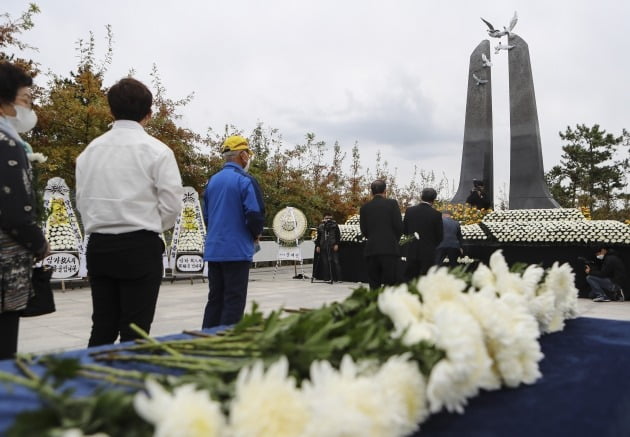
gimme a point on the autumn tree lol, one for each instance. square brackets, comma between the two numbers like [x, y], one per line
[10, 32]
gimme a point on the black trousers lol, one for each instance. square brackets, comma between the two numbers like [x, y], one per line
[228, 293]
[417, 267]
[9, 325]
[330, 267]
[382, 270]
[125, 272]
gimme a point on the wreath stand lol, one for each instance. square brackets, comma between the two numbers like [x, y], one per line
[289, 224]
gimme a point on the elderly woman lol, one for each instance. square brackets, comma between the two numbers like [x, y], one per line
[21, 240]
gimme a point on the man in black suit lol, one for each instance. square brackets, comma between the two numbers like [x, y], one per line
[427, 223]
[381, 224]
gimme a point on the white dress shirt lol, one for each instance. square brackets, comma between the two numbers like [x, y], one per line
[127, 181]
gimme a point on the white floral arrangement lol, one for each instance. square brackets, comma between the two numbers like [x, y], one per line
[191, 236]
[517, 215]
[473, 232]
[561, 231]
[191, 241]
[456, 337]
[350, 233]
[58, 230]
[353, 220]
[465, 260]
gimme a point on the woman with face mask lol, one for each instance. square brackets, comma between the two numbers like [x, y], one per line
[21, 240]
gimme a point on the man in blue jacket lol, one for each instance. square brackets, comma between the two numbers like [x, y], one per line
[235, 214]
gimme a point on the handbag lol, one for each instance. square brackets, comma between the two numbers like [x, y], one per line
[43, 301]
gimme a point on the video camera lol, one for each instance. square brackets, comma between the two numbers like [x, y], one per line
[586, 261]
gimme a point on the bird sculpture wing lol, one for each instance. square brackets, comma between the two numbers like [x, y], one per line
[487, 24]
[513, 21]
[478, 80]
[486, 61]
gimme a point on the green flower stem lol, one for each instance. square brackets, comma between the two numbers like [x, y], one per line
[33, 384]
[19, 362]
[146, 336]
[180, 362]
[120, 373]
[111, 379]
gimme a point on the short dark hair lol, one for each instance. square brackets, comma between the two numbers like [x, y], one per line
[12, 78]
[129, 99]
[428, 195]
[378, 186]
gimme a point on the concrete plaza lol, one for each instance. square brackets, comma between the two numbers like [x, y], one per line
[181, 304]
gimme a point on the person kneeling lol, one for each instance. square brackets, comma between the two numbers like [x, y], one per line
[608, 278]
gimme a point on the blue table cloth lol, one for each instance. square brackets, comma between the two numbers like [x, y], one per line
[584, 391]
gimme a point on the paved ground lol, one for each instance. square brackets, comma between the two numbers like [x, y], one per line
[181, 305]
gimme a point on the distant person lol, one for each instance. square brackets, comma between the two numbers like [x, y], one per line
[21, 240]
[610, 278]
[478, 197]
[327, 248]
[424, 220]
[381, 224]
[451, 245]
[129, 191]
[235, 214]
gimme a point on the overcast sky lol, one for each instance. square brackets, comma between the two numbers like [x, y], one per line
[389, 74]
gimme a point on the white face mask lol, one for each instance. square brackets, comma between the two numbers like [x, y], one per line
[600, 256]
[249, 161]
[25, 119]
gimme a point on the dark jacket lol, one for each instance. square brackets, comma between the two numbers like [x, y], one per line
[427, 222]
[478, 199]
[452, 236]
[612, 267]
[381, 224]
[328, 234]
[17, 199]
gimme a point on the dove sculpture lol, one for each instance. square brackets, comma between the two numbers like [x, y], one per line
[478, 80]
[500, 47]
[485, 61]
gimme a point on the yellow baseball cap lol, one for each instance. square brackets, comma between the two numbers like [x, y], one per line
[235, 142]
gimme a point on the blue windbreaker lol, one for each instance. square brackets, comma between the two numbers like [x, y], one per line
[234, 212]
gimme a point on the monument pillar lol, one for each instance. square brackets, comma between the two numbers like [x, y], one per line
[477, 148]
[528, 188]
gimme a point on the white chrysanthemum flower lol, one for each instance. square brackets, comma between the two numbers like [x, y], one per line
[484, 280]
[511, 334]
[268, 404]
[467, 366]
[497, 263]
[543, 308]
[531, 278]
[439, 286]
[37, 157]
[405, 311]
[404, 388]
[187, 411]
[561, 279]
[332, 391]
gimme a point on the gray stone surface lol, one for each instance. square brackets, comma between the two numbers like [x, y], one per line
[477, 147]
[528, 188]
[181, 304]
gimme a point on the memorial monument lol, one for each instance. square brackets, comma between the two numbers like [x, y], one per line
[477, 152]
[528, 188]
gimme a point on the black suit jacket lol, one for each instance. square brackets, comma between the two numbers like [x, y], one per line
[427, 222]
[381, 224]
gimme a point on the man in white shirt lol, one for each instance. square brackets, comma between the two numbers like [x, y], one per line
[129, 190]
